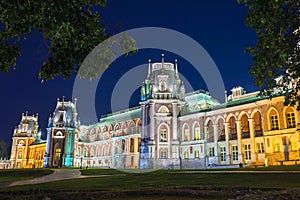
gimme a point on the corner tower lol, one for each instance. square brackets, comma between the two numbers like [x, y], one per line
[24, 135]
[162, 96]
[61, 135]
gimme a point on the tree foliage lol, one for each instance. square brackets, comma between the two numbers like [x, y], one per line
[71, 29]
[276, 53]
[3, 149]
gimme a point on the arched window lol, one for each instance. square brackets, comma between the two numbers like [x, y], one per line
[210, 131]
[20, 155]
[290, 118]
[197, 132]
[186, 132]
[163, 135]
[57, 152]
[232, 129]
[273, 120]
[221, 130]
[245, 126]
[258, 124]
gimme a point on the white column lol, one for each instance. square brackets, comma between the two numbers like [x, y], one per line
[205, 146]
[151, 123]
[175, 129]
[113, 152]
[239, 140]
[216, 140]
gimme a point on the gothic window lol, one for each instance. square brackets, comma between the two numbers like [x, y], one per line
[245, 125]
[210, 131]
[232, 128]
[186, 134]
[57, 152]
[257, 124]
[162, 85]
[163, 135]
[235, 155]
[221, 130]
[20, 155]
[290, 118]
[197, 133]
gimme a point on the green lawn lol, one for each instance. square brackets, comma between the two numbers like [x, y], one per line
[172, 184]
[22, 174]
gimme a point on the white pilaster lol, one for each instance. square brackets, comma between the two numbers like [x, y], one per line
[151, 123]
[239, 140]
[175, 128]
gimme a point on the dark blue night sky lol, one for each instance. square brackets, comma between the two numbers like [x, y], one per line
[216, 25]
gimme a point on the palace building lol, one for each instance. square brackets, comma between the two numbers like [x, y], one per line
[170, 129]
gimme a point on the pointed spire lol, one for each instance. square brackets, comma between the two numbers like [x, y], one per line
[162, 59]
[63, 101]
[176, 69]
[75, 102]
[225, 96]
[149, 69]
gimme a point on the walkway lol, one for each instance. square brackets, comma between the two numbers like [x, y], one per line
[57, 175]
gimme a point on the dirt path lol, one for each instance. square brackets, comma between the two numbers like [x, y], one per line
[57, 175]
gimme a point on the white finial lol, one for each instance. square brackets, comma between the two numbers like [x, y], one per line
[176, 68]
[149, 68]
[75, 102]
[225, 96]
[162, 57]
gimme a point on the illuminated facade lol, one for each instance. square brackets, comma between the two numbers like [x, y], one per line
[170, 129]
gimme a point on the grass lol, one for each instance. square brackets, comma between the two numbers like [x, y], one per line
[168, 178]
[22, 174]
[170, 183]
